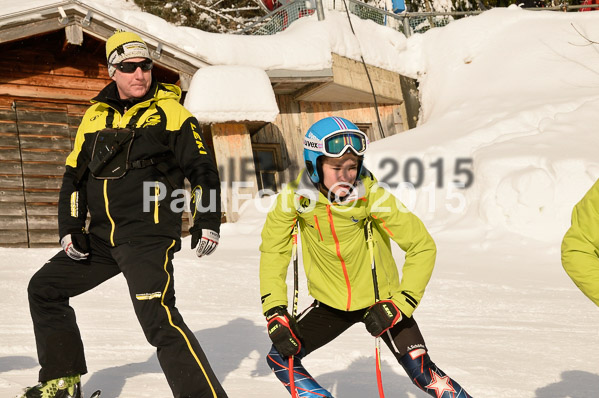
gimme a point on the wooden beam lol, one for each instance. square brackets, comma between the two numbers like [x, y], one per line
[20, 31]
[46, 92]
[57, 82]
[74, 34]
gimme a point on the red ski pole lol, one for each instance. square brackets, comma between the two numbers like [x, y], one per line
[377, 340]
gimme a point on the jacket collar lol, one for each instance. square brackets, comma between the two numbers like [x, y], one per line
[110, 96]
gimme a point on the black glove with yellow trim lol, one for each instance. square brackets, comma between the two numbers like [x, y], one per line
[381, 316]
[283, 331]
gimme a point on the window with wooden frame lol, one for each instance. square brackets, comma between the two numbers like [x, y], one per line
[366, 128]
[267, 163]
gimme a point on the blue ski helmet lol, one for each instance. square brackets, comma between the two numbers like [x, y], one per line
[332, 137]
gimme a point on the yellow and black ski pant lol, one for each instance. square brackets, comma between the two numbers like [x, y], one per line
[147, 267]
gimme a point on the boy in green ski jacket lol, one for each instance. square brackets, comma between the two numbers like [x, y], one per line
[333, 202]
[580, 247]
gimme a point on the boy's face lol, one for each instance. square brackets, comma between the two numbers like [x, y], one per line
[339, 174]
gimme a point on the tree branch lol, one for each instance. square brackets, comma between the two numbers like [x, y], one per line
[227, 17]
[584, 37]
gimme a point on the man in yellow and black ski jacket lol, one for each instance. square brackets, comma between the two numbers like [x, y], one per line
[134, 147]
[168, 142]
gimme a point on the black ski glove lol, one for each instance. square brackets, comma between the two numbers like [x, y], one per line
[76, 245]
[283, 331]
[381, 316]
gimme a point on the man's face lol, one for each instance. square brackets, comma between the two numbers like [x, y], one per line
[135, 84]
[339, 174]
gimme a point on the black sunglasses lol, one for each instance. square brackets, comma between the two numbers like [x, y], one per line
[130, 67]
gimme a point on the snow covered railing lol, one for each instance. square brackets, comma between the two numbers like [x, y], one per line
[567, 7]
[406, 22]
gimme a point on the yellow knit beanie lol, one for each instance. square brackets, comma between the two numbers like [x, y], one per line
[124, 45]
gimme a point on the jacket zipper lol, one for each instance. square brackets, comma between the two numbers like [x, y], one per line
[112, 226]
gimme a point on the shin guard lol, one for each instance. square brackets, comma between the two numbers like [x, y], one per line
[305, 384]
[429, 378]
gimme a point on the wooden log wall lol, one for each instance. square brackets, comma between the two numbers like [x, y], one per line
[35, 138]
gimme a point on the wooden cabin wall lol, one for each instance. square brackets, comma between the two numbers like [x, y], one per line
[35, 138]
[295, 117]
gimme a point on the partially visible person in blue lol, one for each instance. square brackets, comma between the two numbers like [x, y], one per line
[334, 201]
[134, 147]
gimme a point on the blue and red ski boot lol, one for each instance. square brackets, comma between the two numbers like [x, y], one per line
[429, 378]
[305, 385]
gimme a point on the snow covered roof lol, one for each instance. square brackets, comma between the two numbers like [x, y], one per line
[301, 55]
[306, 45]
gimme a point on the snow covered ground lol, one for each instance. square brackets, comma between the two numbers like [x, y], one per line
[516, 93]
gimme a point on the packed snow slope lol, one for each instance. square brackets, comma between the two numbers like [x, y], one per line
[509, 108]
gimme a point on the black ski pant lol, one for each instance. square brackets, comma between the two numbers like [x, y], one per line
[319, 324]
[147, 266]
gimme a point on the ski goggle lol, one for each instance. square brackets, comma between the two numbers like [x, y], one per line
[130, 67]
[337, 143]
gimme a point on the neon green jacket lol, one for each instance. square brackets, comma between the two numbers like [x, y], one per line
[580, 247]
[335, 255]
